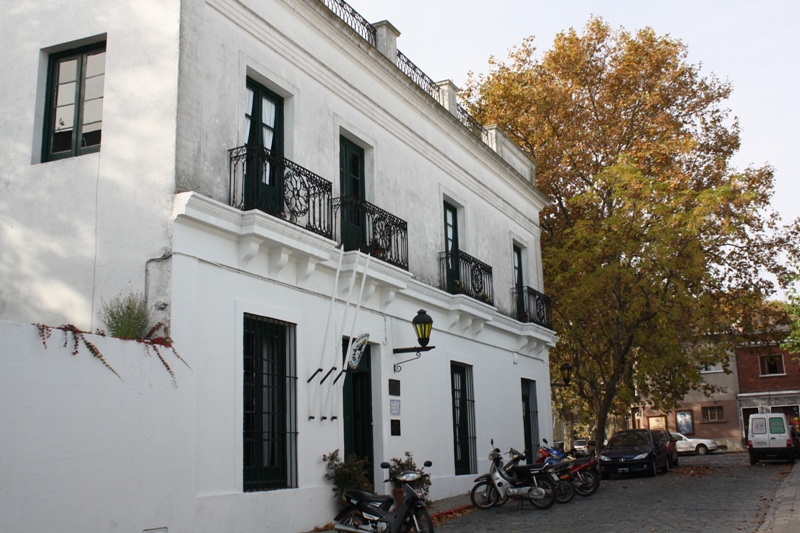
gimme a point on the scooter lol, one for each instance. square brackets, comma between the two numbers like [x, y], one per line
[531, 483]
[584, 470]
[366, 512]
[565, 489]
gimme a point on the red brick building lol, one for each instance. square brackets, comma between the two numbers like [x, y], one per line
[769, 381]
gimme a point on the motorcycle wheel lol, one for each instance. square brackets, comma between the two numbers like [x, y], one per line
[588, 485]
[354, 519]
[549, 499]
[484, 495]
[565, 492]
[421, 518]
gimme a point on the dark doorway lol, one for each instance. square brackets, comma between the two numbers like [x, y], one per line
[530, 419]
[357, 411]
[352, 185]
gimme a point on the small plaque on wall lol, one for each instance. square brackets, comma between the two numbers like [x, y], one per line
[395, 428]
[394, 387]
[394, 407]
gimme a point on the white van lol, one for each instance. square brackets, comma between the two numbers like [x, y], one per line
[771, 436]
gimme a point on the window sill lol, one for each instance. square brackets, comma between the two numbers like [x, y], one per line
[713, 421]
[771, 375]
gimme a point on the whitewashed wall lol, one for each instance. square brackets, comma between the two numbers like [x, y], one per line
[78, 230]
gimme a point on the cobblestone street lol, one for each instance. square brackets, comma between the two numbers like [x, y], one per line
[713, 493]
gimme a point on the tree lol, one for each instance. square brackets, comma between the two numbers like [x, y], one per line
[654, 245]
[792, 341]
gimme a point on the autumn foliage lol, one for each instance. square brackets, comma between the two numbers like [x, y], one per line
[655, 247]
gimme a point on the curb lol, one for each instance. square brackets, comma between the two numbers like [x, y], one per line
[451, 511]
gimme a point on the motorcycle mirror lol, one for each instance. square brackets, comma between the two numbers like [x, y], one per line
[544, 440]
[492, 443]
[385, 465]
[428, 464]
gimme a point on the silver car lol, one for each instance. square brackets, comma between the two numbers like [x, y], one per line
[698, 446]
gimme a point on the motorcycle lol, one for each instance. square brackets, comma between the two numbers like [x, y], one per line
[532, 483]
[364, 512]
[584, 470]
[565, 489]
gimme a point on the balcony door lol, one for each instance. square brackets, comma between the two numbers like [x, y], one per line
[352, 187]
[519, 292]
[263, 129]
[451, 248]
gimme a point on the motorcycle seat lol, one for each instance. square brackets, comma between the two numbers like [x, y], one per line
[368, 496]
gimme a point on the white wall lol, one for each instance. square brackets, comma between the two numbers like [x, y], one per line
[79, 230]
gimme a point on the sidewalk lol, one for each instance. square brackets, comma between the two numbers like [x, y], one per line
[450, 505]
[784, 515]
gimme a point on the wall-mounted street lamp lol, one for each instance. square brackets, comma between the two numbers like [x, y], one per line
[422, 327]
[566, 375]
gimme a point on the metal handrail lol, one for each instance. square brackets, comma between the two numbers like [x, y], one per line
[424, 81]
[353, 19]
[463, 274]
[366, 227]
[533, 307]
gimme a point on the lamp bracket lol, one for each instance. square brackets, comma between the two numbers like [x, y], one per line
[416, 349]
[397, 365]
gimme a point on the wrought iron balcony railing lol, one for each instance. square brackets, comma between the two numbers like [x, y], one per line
[271, 183]
[463, 274]
[473, 125]
[533, 306]
[417, 76]
[366, 227]
[353, 19]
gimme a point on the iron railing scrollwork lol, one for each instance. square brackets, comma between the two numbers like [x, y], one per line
[463, 274]
[473, 125]
[352, 18]
[366, 227]
[533, 306]
[260, 179]
[417, 76]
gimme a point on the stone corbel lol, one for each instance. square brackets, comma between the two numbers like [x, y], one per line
[477, 325]
[387, 296]
[278, 258]
[306, 267]
[248, 248]
[369, 289]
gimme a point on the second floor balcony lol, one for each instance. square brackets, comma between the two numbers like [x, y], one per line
[532, 306]
[260, 179]
[366, 227]
[463, 274]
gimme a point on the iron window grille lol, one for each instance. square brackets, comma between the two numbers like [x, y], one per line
[270, 404]
[463, 418]
[74, 108]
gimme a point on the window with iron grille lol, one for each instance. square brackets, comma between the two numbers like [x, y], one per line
[270, 404]
[710, 414]
[463, 418]
[74, 111]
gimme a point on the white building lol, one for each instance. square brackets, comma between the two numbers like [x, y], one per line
[215, 155]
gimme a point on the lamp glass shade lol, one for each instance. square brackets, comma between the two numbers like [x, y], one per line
[566, 373]
[422, 327]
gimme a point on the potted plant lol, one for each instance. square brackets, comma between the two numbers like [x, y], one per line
[347, 474]
[483, 297]
[375, 248]
[458, 288]
[397, 467]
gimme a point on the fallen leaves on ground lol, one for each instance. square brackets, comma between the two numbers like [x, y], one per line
[692, 471]
[443, 519]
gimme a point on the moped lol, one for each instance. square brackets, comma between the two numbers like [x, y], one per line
[364, 512]
[531, 483]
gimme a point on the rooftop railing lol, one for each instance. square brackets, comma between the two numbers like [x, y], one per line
[367, 31]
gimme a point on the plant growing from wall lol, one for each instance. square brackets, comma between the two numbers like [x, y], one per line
[125, 316]
[398, 466]
[78, 338]
[347, 474]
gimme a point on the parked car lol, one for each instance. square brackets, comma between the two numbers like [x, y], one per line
[634, 451]
[583, 447]
[771, 436]
[689, 445]
[671, 443]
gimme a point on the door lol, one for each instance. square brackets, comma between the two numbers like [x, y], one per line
[357, 411]
[451, 249]
[519, 293]
[263, 129]
[352, 186]
[530, 419]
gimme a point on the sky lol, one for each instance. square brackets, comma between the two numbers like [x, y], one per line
[754, 44]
